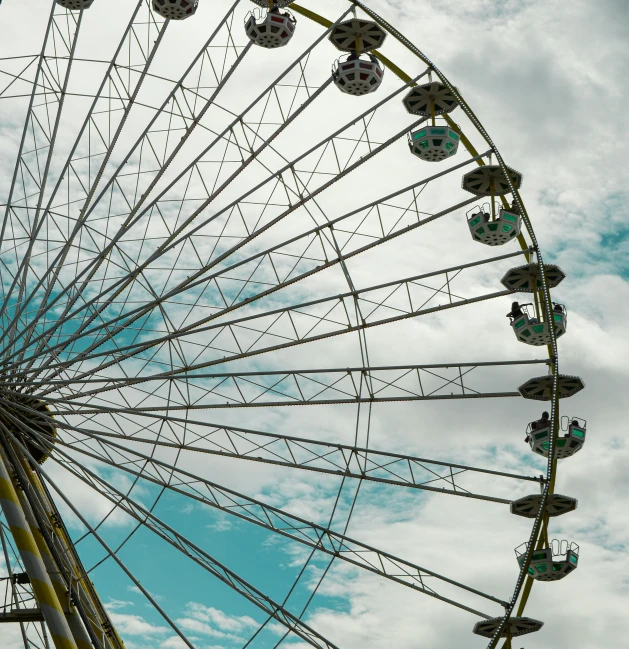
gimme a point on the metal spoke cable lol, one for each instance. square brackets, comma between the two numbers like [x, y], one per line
[182, 544]
[268, 383]
[345, 325]
[85, 212]
[85, 275]
[285, 450]
[193, 281]
[26, 124]
[112, 67]
[37, 222]
[133, 315]
[38, 225]
[130, 102]
[289, 451]
[272, 518]
[337, 547]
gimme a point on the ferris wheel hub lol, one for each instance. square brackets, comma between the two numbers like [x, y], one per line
[527, 278]
[29, 419]
[516, 626]
[556, 505]
[490, 180]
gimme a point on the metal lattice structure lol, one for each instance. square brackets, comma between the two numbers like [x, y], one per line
[198, 233]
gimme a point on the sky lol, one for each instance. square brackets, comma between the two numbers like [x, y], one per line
[548, 84]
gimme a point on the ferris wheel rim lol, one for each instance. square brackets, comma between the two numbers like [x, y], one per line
[551, 472]
[553, 351]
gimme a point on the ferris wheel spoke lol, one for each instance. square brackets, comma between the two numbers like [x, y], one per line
[98, 135]
[30, 176]
[314, 320]
[293, 452]
[271, 518]
[356, 385]
[151, 522]
[126, 97]
[317, 249]
[132, 218]
[288, 176]
[322, 247]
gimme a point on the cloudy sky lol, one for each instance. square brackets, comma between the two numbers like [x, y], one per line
[548, 84]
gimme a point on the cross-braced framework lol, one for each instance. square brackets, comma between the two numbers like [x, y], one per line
[197, 233]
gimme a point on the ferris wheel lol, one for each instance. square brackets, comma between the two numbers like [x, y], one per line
[212, 211]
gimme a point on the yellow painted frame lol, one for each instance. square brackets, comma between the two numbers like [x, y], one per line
[542, 531]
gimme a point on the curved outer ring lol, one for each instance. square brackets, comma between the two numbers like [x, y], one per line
[552, 347]
[551, 470]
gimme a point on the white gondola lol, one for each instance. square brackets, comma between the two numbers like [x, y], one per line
[434, 143]
[552, 563]
[356, 75]
[270, 29]
[538, 435]
[493, 232]
[359, 73]
[534, 330]
[175, 9]
[75, 5]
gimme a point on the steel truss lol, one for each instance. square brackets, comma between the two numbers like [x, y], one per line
[134, 268]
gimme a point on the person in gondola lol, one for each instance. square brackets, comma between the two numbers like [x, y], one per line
[540, 423]
[516, 311]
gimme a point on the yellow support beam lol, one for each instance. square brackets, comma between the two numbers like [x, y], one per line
[98, 618]
[79, 634]
[521, 239]
[43, 589]
[311, 15]
[403, 76]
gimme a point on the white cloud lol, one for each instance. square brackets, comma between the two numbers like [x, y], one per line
[549, 83]
[134, 589]
[212, 622]
[115, 604]
[135, 625]
[221, 525]
[177, 643]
